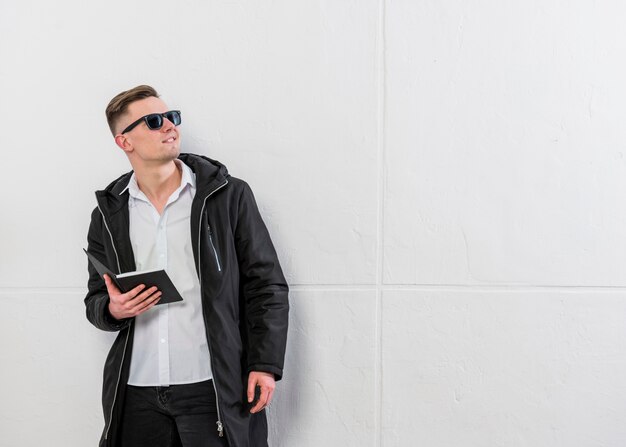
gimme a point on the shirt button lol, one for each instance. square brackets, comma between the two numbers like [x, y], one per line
[162, 340]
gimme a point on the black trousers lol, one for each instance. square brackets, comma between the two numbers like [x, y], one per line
[171, 416]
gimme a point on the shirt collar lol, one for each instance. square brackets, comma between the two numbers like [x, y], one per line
[188, 178]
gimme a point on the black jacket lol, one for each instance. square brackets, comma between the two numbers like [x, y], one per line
[244, 295]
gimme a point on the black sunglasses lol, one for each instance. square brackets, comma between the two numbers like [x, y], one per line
[154, 121]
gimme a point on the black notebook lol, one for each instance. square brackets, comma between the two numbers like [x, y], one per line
[130, 280]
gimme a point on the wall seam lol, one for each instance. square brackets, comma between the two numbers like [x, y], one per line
[380, 225]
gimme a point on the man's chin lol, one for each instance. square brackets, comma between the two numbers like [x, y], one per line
[172, 152]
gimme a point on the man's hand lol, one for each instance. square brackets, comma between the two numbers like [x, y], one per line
[130, 304]
[267, 384]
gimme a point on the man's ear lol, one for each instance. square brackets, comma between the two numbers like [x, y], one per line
[123, 142]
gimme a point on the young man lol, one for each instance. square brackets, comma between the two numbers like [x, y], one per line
[201, 371]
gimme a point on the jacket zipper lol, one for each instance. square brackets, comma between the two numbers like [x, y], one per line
[219, 268]
[119, 374]
[220, 425]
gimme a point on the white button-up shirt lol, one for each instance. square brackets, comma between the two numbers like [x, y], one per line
[170, 345]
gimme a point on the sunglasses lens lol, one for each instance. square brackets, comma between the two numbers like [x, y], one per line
[173, 116]
[154, 121]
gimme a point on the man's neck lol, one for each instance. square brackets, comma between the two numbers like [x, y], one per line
[159, 182]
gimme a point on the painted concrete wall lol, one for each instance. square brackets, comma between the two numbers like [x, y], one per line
[443, 182]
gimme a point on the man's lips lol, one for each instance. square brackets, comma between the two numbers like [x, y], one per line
[170, 139]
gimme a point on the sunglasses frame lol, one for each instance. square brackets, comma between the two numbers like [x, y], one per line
[145, 119]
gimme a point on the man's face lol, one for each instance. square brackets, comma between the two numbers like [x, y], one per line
[142, 144]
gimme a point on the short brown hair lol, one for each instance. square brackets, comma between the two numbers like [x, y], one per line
[119, 105]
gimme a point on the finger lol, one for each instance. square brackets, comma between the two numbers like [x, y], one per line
[258, 407]
[129, 302]
[134, 292]
[142, 300]
[262, 400]
[147, 304]
[251, 386]
[142, 296]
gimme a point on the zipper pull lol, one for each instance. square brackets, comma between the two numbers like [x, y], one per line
[208, 227]
[220, 429]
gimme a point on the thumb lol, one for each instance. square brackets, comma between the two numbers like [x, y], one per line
[110, 285]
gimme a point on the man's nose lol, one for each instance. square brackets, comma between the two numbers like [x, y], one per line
[167, 125]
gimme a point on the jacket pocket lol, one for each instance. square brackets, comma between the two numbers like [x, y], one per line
[217, 259]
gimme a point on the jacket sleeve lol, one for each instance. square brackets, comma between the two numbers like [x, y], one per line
[264, 288]
[97, 299]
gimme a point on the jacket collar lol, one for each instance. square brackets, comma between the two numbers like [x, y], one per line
[210, 174]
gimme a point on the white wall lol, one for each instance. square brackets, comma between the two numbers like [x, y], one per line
[443, 182]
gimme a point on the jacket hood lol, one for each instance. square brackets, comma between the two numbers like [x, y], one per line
[209, 173]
